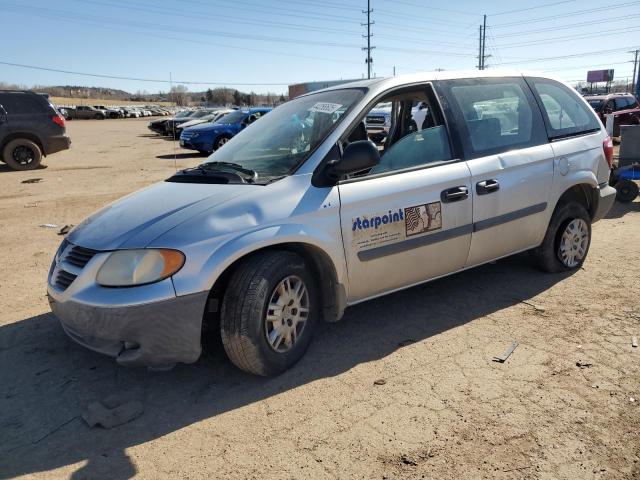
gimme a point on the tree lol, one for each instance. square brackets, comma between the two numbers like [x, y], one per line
[178, 95]
[237, 98]
[209, 96]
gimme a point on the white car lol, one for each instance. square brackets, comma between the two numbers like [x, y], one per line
[300, 215]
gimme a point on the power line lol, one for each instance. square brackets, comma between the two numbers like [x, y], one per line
[569, 37]
[563, 57]
[520, 33]
[137, 79]
[531, 8]
[564, 15]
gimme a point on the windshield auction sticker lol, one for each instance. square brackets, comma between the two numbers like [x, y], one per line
[392, 226]
[322, 107]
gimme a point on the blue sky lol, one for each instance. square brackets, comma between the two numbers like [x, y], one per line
[263, 45]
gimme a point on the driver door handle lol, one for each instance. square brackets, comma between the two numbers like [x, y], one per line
[487, 186]
[454, 194]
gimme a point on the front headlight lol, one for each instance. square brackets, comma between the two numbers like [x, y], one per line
[127, 268]
[195, 135]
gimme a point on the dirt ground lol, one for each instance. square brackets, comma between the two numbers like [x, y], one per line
[403, 387]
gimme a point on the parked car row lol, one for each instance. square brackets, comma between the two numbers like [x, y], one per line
[102, 112]
[206, 129]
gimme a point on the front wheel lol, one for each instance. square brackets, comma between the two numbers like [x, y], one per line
[566, 243]
[220, 142]
[268, 312]
[626, 191]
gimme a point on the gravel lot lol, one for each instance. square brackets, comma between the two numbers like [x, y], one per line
[403, 387]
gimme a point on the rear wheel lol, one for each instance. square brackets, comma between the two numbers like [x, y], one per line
[566, 243]
[22, 154]
[626, 191]
[268, 312]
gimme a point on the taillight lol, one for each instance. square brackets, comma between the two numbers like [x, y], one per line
[59, 119]
[607, 146]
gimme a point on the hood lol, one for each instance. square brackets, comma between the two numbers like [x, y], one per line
[137, 219]
[207, 127]
[193, 122]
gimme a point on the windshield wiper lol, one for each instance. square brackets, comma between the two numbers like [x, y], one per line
[220, 166]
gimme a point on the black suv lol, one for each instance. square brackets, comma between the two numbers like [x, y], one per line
[29, 128]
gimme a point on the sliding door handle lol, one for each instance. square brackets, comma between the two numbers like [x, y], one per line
[487, 186]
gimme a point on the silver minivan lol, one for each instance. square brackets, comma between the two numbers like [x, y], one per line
[301, 215]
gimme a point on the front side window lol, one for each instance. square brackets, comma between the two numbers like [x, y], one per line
[564, 111]
[407, 131]
[286, 136]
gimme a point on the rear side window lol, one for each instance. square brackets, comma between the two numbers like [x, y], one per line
[499, 114]
[564, 111]
[21, 103]
[622, 103]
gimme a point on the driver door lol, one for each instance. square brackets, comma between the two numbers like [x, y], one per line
[408, 219]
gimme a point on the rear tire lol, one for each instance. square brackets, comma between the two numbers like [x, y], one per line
[566, 243]
[626, 191]
[265, 325]
[22, 154]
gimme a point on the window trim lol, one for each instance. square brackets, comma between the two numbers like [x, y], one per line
[456, 150]
[547, 123]
[538, 132]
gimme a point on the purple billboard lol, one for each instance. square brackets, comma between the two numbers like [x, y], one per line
[594, 76]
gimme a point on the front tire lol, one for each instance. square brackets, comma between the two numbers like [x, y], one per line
[22, 154]
[566, 243]
[268, 312]
[220, 141]
[626, 191]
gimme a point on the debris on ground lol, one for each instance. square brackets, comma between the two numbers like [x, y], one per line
[380, 381]
[31, 205]
[66, 229]
[537, 308]
[48, 225]
[634, 342]
[32, 180]
[507, 353]
[112, 412]
[580, 364]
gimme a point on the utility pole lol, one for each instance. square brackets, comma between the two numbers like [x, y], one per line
[368, 36]
[484, 40]
[480, 49]
[634, 79]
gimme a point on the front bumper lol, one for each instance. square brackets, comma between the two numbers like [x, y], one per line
[57, 143]
[152, 334]
[195, 144]
[607, 196]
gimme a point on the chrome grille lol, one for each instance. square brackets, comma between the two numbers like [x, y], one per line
[64, 279]
[75, 258]
[79, 256]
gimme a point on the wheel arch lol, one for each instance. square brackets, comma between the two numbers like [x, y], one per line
[582, 193]
[333, 296]
[27, 135]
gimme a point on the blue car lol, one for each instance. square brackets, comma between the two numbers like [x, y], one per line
[208, 137]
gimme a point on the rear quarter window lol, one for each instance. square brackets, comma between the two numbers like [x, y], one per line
[564, 112]
[22, 103]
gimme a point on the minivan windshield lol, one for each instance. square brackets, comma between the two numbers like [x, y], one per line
[275, 145]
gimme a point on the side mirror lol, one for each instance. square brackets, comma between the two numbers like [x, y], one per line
[357, 156]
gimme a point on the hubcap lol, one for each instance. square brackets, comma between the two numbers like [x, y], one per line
[287, 314]
[23, 155]
[222, 141]
[574, 243]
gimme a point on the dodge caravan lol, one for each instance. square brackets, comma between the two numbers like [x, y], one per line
[301, 215]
